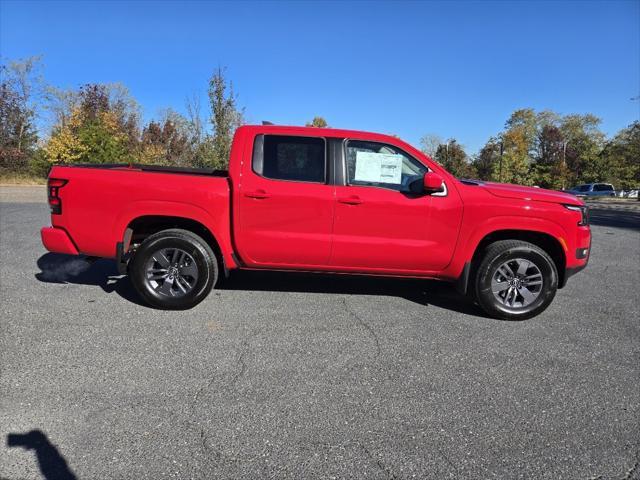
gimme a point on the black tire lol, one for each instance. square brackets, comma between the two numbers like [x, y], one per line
[201, 256]
[515, 253]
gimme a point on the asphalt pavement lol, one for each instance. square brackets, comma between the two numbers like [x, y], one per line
[297, 376]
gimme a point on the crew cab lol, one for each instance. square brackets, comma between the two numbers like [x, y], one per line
[320, 200]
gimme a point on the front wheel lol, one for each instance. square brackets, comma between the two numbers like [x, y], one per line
[174, 269]
[516, 280]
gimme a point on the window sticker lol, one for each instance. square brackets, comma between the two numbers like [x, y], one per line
[378, 168]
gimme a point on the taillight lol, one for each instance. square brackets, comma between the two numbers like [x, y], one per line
[53, 186]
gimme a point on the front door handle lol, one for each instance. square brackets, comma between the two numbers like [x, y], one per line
[352, 200]
[259, 194]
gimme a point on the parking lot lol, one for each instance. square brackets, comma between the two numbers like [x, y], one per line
[282, 375]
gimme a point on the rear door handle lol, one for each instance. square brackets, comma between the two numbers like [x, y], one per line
[352, 200]
[260, 194]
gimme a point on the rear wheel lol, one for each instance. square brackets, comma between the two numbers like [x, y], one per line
[174, 269]
[516, 280]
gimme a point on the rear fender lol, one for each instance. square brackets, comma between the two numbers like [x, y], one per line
[218, 225]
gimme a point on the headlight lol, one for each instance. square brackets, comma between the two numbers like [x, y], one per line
[584, 212]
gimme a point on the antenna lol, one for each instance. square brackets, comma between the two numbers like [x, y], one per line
[265, 122]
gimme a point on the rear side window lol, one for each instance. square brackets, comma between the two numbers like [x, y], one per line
[280, 157]
[601, 187]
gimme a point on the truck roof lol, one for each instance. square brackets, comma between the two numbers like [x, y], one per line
[318, 132]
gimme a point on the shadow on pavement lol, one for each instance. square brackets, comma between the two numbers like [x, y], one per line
[52, 464]
[615, 218]
[57, 268]
[423, 292]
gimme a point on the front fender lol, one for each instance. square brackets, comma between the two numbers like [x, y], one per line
[471, 238]
[495, 224]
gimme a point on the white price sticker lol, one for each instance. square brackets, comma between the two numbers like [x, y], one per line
[378, 168]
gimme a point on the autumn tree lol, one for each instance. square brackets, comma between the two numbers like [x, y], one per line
[318, 122]
[19, 90]
[550, 169]
[518, 146]
[166, 142]
[102, 127]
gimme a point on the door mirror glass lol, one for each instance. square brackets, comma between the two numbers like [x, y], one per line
[432, 182]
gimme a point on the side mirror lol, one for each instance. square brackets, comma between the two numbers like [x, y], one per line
[432, 183]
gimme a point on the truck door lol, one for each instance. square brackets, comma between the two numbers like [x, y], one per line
[285, 203]
[380, 225]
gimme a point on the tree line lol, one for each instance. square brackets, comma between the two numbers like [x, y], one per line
[101, 123]
[548, 150]
[41, 125]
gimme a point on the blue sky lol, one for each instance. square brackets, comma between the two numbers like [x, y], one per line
[456, 69]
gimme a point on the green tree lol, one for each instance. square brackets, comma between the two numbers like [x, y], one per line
[621, 157]
[583, 144]
[487, 162]
[225, 118]
[317, 122]
[453, 158]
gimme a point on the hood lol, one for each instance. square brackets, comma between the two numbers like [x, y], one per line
[508, 190]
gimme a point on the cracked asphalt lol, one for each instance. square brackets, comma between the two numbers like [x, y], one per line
[282, 375]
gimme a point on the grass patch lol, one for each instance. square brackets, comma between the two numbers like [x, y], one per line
[12, 178]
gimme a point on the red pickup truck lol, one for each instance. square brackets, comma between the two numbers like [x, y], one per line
[321, 200]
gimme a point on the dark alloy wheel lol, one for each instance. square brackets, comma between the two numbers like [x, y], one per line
[174, 269]
[171, 272]
[517, 283]
[515, 280]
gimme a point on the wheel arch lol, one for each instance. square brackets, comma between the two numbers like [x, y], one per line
[141, 227]
[547, 242]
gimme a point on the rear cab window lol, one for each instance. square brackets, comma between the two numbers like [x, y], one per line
[290, 158]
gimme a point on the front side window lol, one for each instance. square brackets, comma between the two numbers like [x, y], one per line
[381, 165]
[292, 158]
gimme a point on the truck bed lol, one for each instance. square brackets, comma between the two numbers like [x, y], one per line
[98, 202]
[151, 168]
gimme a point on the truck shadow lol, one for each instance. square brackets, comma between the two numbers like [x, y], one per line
[423, 292]
[57, 268]
[52, 465]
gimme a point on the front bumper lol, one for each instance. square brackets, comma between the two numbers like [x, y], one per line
[581, 256]
[570, 272]
[58, 241]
